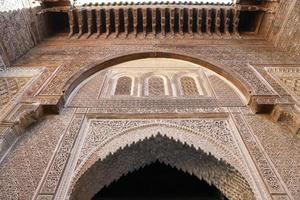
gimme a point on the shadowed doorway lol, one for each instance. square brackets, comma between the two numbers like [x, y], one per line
[159, 182]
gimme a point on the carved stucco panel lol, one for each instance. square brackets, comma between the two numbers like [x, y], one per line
[23, 168]
[283, 149]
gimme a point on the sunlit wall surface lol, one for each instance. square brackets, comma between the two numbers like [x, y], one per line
[7, 5]
[80, 2]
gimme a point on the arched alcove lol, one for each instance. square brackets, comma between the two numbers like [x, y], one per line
[175, 78]
[159, 181]
[165, 150]
[213, 66]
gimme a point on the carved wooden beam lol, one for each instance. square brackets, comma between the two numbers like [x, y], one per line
[154, 28]
[80, 22]
[208, 21]
[135, 21]
[144, 21]
[126, 21]
[236, 20]
[199, 24]
[190, 20]
[180, 14]
[89, 22]
[218, 21]
[226, 21]
[71, 22]
[163, 21]
[117, 21]
[98, 22]
[172, 21]
[107, 22]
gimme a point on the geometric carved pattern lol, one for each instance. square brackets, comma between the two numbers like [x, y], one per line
[292, 83]
[189, 86]
[9, 87]
[156, 86]
[123, 86]
[57, 167]
[267, 172]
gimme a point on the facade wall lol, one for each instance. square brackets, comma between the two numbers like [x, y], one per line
[48, 144]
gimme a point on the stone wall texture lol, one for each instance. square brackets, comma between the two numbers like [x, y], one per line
[20, 30]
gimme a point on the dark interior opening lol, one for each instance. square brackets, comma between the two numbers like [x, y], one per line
[168, 19]
[139, 20]
[195, 20]
[130, 21]
[249, 21]
[176, 20]
[158, 21]
[121, 20]
[59, 22]
[149, 20]
[159, 181]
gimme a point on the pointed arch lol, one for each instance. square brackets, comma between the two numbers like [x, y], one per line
[168, 151]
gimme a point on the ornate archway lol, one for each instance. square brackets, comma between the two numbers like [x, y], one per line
[204, 147]
[168, 151]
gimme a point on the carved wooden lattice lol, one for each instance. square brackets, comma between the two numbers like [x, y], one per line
[123, 86]
[156, 86]
[189, 87]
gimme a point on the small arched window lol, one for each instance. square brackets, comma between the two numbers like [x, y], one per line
[123, 86]
[156, 86]
[189, 87]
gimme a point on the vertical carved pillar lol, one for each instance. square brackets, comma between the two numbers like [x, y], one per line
[80, 22]
[190, 21]
[144, 17]
[236, 19]
[154, 28]
[89, 22]
[107, 21]
[71, 22]
[117, 22]
[135, 21]
[180, 12]
[208, 21]
[199, 19]
[172, 21]
[126, 21]
[98, 22]
[218, 21]
[163, 21]
[226, 21]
